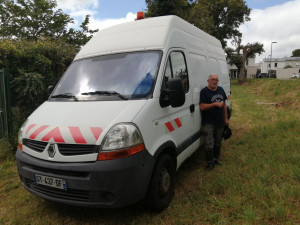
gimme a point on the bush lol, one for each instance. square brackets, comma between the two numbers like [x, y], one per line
[30, 89]
[18, 119]
[287, 66]
[6, 150]
[34, 66]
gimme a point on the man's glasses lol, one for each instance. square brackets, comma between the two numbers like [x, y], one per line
[216, 80]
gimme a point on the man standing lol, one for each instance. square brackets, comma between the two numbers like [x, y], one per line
[214, 117]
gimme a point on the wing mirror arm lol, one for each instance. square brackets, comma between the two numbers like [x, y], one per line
[49, 90]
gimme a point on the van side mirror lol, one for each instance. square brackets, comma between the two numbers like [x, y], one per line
[174, 95]
[50, 89]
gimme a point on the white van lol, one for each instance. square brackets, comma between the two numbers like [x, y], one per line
[123, 117]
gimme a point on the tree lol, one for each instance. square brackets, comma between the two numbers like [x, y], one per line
[167, 7]
[296, 53]
[239, 56]
[224, 17]
[201, 17]
[80, 37]
[36, 19]
[220, 18]
[31, 19]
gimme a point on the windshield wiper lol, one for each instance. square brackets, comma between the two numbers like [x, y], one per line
[65, 95]
[108, 93]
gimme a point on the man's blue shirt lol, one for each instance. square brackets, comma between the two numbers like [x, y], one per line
[214, 116]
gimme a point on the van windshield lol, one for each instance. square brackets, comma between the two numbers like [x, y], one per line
[110, 77]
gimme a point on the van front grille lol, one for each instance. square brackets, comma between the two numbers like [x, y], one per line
[64, 149]
[37, 146]
[75, 149]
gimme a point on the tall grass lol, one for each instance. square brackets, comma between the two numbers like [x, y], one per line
[258, 182]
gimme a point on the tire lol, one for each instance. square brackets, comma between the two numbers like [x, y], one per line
[161, 187]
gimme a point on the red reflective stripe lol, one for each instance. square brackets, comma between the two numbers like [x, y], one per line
[30, 127]
[55, 134]
[77, 135]
[169, 126]
[96, 132]
[39, 130]
[178, 123]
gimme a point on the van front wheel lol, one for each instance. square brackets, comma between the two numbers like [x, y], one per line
[161, 188]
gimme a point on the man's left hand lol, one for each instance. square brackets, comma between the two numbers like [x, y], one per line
[226, 121]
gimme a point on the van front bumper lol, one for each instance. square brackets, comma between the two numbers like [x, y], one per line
[107, 184]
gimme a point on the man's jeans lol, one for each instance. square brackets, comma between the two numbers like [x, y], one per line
[212, 141]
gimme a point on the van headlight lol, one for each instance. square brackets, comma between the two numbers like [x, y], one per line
[121, 141]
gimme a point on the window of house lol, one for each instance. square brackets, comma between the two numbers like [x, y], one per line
[176, 68]
[275, 64]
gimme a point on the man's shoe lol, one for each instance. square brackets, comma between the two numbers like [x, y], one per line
[209, 166]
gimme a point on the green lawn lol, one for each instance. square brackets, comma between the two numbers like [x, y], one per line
[258, 183]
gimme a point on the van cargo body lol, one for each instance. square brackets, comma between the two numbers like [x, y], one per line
[123, 117]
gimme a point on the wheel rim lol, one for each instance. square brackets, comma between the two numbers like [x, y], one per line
[165, 181]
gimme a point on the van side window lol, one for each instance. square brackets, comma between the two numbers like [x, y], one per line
[176, 68]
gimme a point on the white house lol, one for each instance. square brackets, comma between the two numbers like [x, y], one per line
[282, 68]
[252, 69]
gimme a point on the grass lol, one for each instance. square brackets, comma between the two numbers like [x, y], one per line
[259, 182]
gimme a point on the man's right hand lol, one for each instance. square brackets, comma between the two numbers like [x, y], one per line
[204, 106]
[219, 104]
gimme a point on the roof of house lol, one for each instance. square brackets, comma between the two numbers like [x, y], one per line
[282, 59]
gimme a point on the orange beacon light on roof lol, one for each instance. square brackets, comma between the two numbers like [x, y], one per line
[140, 15]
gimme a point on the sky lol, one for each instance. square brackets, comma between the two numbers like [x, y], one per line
[271, 20]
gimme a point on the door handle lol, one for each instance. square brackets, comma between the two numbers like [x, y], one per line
[192, 108]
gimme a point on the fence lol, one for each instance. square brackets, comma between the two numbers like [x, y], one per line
[5, 103]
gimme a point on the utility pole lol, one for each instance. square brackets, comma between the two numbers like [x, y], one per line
[273, 42]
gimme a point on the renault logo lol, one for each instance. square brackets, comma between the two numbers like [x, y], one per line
[51, 150]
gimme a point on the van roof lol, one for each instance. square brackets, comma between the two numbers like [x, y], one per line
[146, 34]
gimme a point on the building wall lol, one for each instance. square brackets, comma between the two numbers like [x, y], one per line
[293, 63]
[286, 73]
[266, 65]
[251, 62]
[281, 65]
[251, 71]
[251, 68]
[278, 65]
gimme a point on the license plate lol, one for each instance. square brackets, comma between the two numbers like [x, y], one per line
[50, 181]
